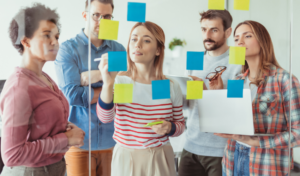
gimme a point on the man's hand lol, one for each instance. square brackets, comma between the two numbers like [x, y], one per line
[216, 83]
[95, 77]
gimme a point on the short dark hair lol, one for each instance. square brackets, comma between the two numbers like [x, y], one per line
[102, 1]
[223, 14]
[27, 21]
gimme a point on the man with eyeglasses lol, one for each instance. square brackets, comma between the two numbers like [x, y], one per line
[72, 71]
[203, 152]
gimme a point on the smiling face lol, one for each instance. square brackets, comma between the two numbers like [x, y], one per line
[213, 33]
[244, 37]
[97, 9]
[44, 42]
[143, 46]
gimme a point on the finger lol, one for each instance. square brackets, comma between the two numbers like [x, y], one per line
[71, 125]
[103, 56]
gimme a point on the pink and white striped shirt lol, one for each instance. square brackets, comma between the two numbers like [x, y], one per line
[131, 117]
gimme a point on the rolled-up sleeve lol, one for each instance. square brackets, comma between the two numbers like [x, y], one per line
[68, 75]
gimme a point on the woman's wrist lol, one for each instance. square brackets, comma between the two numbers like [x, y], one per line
[169, 127]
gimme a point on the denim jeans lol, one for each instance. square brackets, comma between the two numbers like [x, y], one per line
[241, 160]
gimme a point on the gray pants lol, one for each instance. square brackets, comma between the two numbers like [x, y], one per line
[197, 165]
[56, 169]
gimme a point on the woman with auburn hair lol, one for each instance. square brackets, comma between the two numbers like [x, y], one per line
[142, 150]
[271, 95]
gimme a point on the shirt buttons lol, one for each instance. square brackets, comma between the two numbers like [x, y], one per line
[99, 123]
[60, 98]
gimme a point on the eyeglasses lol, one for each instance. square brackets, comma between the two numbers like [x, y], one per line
[97, 17]
[213, 75]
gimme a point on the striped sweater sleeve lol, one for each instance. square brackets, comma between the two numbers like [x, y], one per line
[105, 112]
[178, 119]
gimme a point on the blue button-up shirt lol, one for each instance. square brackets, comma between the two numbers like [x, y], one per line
[71, 61]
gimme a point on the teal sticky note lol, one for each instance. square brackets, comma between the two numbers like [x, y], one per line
[136, 12]
[117, 61]
[235, 88]
[161, 89]
[194, 60]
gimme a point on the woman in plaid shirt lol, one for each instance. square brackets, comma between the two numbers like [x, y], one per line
[270, 86]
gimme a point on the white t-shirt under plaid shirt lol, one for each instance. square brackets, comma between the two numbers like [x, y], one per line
[131, 117]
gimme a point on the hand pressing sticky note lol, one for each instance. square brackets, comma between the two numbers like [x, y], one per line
[123, 93]
[241, 4]
[235, 88]
[237, 55]
[117, 61]
[194, 90]
[216, 4]
[108, 29]
[194, 60]
[161, 89]
[136, 12]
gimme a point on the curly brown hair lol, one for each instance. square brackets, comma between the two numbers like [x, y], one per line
[27, 21]
[111, 2]
[213, 14]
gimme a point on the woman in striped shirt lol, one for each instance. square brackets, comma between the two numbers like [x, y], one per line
[142, 150]
[271, 97]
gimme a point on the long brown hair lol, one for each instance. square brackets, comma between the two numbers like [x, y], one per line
[266, 55]
[159, 60]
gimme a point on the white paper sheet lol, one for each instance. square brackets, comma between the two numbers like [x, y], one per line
[219, 114]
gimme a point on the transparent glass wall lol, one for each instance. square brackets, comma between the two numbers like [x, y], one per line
[75, 64]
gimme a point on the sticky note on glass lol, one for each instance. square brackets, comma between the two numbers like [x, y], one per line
[235, 88]
[161, 89]
[108, 29]
[194, 90]
[237, 55]
[136, 12]
[194, 60]
[216, 4]
[123, 93]
[117, 61]
[241, 4]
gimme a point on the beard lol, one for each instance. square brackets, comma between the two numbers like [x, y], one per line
[215, 45]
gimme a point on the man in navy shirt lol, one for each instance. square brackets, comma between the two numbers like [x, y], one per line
[72, 71]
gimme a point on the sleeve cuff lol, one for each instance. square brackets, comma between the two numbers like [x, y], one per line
[173, 129]
[105, 105]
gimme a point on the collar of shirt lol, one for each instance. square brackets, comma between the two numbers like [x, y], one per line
[271, 72]
[85, 40]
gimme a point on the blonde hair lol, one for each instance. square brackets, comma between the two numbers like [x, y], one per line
[266, 55]
[158, 61]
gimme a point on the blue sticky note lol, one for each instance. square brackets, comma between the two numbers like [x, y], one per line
[161, 89]
[136, 12]
[194, 60]
[117, 61]
[235, 88]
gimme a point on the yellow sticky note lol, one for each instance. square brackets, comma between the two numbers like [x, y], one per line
[123, 93]
[216, 4]
[237, 55]
[241, 4]
[108, 29]
[194, 90]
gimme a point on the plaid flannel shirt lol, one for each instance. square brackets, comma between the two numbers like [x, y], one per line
[271, 112]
